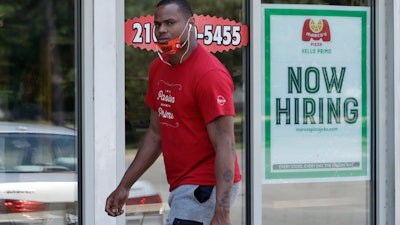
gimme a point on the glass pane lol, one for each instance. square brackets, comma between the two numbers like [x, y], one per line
[38, 147]
[346, 201]
[137, 62]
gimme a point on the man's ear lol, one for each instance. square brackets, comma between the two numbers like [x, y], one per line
[192, 21]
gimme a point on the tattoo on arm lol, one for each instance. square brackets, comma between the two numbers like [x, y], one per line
[154, 139]
[228, 176]
[225, 200]
[219, 131]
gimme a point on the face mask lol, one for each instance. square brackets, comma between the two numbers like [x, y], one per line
[173, 46]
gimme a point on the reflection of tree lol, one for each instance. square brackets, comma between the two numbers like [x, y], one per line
[54, 64]
[37, 54]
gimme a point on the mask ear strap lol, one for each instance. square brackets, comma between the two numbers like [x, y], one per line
[162, 59]
[158, 48]
[181, 45]
[188, 42]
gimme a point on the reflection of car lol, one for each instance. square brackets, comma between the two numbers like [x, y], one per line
[38, 174]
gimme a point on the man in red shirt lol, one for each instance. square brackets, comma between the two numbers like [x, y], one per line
[190, 94]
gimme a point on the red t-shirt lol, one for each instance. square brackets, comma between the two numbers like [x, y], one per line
[187, 97]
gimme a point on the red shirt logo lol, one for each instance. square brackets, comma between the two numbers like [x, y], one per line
[221, 100]
[316, 30]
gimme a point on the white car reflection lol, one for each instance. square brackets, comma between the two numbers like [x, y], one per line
[38, 179]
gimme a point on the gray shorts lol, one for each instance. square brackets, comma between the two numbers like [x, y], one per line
[193, 204]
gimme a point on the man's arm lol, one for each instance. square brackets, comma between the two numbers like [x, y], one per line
[221, 133]
[148, 152]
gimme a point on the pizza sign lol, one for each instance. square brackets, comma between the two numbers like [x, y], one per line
[316, 30]
[215, 34]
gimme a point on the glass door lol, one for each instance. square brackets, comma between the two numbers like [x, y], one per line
[38, 112]
[138, 56]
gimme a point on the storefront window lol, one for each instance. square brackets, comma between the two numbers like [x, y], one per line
[38, 113]
[137, 61]
[309, 176]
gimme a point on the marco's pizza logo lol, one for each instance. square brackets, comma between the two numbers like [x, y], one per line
[316, 30]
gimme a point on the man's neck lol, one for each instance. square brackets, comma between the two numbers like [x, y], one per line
[183, 54]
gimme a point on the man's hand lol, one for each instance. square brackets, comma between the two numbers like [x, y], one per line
[148, 152]
[116, 201]
[221, 219]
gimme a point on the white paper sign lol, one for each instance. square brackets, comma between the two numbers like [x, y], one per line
[317, 95]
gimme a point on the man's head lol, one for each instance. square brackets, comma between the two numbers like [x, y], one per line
[173, 23]
[183, 5]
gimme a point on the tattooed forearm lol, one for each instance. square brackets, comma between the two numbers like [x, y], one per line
[219, 129]
[225, 201]
[155, 139]
[228, 176]
[222, 137]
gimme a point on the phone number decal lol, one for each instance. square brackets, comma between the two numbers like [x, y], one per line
[215, 34]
